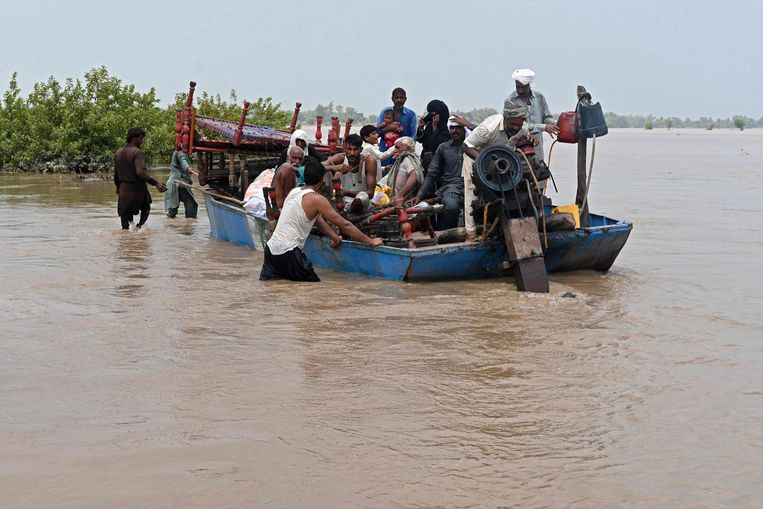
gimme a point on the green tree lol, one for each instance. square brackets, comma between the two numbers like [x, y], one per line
[264, 112]
[739, 122]
[13, 124]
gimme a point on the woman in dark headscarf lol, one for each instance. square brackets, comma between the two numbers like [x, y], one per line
[434, 129]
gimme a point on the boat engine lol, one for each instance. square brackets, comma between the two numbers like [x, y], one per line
[499, 173]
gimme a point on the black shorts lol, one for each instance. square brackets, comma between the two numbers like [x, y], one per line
[293, 265]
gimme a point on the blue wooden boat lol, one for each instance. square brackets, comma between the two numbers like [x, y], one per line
[594, 247]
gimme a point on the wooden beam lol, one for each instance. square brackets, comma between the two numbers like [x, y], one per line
[524, 250]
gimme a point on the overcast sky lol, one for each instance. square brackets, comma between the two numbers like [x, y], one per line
[670, 58]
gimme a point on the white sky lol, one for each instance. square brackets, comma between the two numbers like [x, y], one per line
[670, 58]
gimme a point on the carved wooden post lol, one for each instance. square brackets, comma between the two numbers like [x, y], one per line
[244, 176]
[347, 126]
[333, 135]
[189, 97]
[201, 168]
[294, 118]
[318, 133]
[186, 130]
[239, 134]
[405, 225]
[178, 128]
[232, 171]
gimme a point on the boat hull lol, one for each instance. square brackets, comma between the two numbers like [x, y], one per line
[593, 248]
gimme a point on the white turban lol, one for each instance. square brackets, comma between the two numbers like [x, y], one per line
[452, 122]
[524, 76]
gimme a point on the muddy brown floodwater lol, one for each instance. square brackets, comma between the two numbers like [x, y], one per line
[153, 369]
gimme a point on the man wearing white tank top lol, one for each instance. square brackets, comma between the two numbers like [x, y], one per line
[304, 207]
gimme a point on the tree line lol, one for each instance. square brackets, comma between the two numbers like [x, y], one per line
[79, 124]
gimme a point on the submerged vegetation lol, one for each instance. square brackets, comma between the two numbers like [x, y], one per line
[78, 124]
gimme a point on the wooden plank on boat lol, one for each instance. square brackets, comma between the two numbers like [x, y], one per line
[523, 246]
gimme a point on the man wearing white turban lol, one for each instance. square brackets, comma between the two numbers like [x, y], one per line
[539, 117]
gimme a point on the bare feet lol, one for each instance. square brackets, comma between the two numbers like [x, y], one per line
[470, 237]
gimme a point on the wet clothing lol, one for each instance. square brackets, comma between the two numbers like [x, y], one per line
[131, 179]
[445, 174]
[127, 219]
[293, 224]
[284, 258]
[189, 204]
[538, 115]
[179, 171]
[293, 265]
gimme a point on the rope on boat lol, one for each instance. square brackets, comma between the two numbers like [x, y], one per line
[489, 231]
[210, 193]
[542, 208]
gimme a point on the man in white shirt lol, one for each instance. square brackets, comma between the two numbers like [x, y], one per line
[304, 207]
[539, 117]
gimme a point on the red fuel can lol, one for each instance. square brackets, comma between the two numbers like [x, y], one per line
[568, 127]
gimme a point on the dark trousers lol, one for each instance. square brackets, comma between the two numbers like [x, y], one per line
[145, 210]
[454, 203]
[293, 265]
[189, 204]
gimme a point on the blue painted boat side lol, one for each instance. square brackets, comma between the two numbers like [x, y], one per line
[383, 262]
[593, 248]
[235, 225]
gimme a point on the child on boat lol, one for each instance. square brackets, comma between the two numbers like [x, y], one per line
[370, 137]
[392, 135]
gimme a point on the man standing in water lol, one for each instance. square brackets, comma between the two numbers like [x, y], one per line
[130, 177]
[180, 172]
[304, 207]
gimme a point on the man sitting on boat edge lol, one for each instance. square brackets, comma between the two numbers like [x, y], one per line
[407, 173]
[304, 207]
